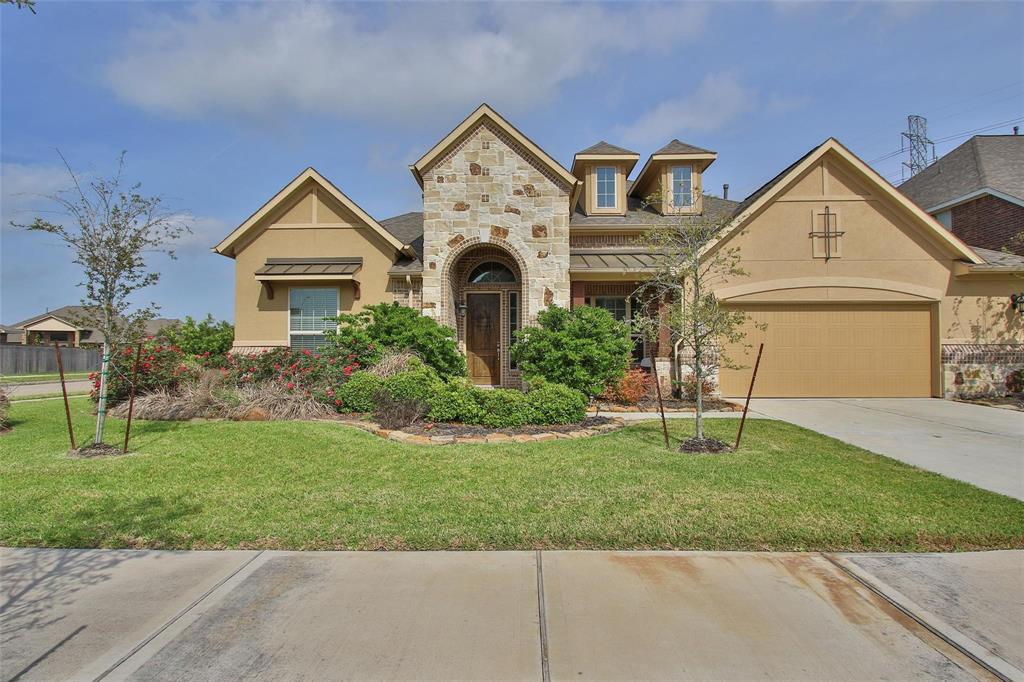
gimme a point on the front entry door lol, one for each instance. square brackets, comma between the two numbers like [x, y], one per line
[483, 338]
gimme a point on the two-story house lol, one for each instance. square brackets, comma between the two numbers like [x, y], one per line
[859, 289]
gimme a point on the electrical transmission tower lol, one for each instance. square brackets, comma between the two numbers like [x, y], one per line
[918, 144]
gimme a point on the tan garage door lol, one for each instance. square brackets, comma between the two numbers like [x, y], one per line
[835, 351]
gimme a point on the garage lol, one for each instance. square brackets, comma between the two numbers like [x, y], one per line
[834, 350]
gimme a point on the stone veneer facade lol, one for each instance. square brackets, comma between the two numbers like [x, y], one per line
[489, 190]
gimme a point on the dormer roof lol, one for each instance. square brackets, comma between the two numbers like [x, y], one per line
[673, 151]
[604, 151]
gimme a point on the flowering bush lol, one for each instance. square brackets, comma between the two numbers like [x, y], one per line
[689, 386]
[634, 386]
[313, 373]
[161, 365]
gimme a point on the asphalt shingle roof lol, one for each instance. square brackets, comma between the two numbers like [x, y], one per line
[603, 147]
[997, 259]
[677, 147]
[992, 161]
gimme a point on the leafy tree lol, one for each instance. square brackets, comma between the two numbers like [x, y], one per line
[393, 326]
[206, 337]
[30, 5]
[687, 265]
[111, 229]
[584, 348]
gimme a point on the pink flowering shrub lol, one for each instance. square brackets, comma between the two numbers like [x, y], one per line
[161, 365]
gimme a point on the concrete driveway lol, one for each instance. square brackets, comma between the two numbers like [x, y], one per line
[148, 615]
[973, 443]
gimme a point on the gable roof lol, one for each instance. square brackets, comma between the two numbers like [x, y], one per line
[482, 112]
[225, 247]
[603, 148]
[69, 314]
[771, 189]
[677, 147]
[673, 151]
[985, 163]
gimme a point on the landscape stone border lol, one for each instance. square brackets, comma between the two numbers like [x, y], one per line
[497, 437]
[731, 407]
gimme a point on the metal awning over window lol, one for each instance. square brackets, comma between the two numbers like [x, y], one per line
[610, 261]
[309, 268]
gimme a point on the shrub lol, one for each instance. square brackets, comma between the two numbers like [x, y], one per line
[419, 383]
[557, 404]
[384, 326]
[1015, 381]
[689, 386]
[456, 401]
[505, 408]
[584, 348]
[397, 413]
[357, 394]
[394, 362]
[635, 385]
[206, 337]
[160, 366]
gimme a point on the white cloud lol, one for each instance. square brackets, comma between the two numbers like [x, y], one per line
[717, 101]
[411, 63]
[205, 231]
[24, 191]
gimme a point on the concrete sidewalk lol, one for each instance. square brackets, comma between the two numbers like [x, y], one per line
[146, 615]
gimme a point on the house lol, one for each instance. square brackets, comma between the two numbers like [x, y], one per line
[977, 191]
[64, 325]
[863, 293]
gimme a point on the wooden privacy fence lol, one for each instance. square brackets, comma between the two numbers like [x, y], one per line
[17, 359]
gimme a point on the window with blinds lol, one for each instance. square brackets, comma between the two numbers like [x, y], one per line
[308, 310]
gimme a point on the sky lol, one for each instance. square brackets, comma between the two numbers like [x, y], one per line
[219, 105]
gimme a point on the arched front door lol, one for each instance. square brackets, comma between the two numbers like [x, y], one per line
[487, 288]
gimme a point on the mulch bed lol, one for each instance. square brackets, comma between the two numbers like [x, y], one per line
[673, 405]
[455, 429]
[1006, 402]
[695, 445]
[94, 450]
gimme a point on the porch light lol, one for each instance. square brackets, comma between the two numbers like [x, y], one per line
[1017, 301]
[462, 308]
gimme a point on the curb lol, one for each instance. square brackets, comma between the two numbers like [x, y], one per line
[958, 640]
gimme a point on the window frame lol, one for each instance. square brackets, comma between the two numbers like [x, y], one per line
[512, 305]
[689, 184]
[631, 305]
[307, 333]
[491, 264]
[597, 188]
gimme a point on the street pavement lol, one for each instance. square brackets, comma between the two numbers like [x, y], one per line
[272, 615]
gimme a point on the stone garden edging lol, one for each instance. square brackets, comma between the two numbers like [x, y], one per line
[419, 439]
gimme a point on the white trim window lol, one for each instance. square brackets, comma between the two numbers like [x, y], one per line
[682, 186]
[309, 310]
[606, 192]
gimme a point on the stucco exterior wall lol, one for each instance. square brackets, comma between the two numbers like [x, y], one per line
[526, 211]
[309, 226]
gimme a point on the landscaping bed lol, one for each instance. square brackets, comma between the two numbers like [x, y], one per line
[672, 405]
[1005, 402]
[323, 485]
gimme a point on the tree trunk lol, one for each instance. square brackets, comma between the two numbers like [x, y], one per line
[698, 358]
[101, 410]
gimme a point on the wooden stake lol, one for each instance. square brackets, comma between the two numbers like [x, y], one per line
[64, 390]
[661, 404]
[131, 397]
[750, 392]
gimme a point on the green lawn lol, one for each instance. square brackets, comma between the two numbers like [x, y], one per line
[41, 378]
[315, 485]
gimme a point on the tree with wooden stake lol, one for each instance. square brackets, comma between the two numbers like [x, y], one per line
[110, 229]
[688, 264]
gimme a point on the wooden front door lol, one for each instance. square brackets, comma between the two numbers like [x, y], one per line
[483, 338]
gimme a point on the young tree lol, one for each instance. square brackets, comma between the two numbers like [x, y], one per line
[680, 293]
[110, 230]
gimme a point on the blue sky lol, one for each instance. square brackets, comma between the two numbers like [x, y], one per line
[220, 105]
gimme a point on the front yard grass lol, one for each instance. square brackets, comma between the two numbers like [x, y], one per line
[318, 485]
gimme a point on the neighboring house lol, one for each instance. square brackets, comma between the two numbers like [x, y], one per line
[977, 191]
[863, 293]
[62, 324]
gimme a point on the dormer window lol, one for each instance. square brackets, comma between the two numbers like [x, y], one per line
[682, 186]
[606, 186]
